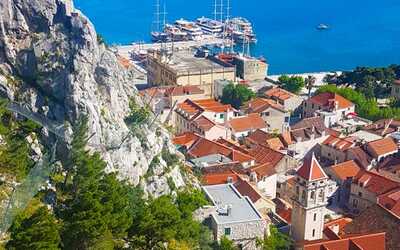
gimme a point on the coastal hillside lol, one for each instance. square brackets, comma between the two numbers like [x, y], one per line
[54, 66]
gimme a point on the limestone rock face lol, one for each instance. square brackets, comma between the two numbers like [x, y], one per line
[52, 63]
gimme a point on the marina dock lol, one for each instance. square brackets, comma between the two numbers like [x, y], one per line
[127, 50]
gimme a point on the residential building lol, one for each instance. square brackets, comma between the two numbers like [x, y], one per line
[390, 167]
[250, 68]
[162, 99]
[218, 88]
[303, 136]
[213, 113]
[382, 148]
[366, 187]
[375, 219]
[309, 201]
[334, 149]
[360, 155]
[202, 147]
[384, 127]
[343, 173]
[288, 100]
[272, 113]
[242, 126]
[182, 68]
[396, 89]
[260, 137]
[330, 106]
[234, 216]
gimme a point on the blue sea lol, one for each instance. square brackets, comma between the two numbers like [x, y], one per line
[362, 32]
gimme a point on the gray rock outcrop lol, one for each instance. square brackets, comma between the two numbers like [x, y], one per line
[51, 62]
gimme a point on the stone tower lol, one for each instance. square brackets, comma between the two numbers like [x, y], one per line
[309, 201]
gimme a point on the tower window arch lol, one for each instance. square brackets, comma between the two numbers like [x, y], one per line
[312, 194]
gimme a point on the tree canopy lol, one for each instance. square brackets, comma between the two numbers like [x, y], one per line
[292, 84]
[370, 81]
[275, 241]
[236, 95]
[38, 231]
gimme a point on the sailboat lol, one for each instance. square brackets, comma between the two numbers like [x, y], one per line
[159, 35]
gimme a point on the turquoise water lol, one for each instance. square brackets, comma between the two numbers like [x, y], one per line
[363, 32]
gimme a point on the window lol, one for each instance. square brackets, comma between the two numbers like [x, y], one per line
[313, 233]
[221, 116]
[278, 185]
[312, 195]
[286, 119]
[315, 217]
[228, 231]
[360, 194]
[355, 203]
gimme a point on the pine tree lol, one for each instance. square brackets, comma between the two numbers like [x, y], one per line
[39, 231]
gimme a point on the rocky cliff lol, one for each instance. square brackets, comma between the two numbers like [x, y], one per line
[52, 62]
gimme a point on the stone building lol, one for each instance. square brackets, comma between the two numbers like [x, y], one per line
[234, 216]
[185, 69]
[309, 202]
[396, 89]
[250, 68]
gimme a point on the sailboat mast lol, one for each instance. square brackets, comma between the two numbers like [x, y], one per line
[157, 22]
[215, 9]
[228, 10]
[222, 11]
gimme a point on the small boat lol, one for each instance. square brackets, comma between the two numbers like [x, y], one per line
[322, 27]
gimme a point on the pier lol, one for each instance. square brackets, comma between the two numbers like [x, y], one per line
[127, 50]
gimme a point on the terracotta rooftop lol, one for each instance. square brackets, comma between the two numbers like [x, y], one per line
[195, 107]
[383, 127]
[219, 178]
[361, 156]
[341, 144]
[187, 139]
[263, 138]
[259, 105]
[350, 242]
[264, 154]
[375, 183]
[204, 123]
[306, 128]
[249, 122]
[203, 147]
[391, 201]
[382, 147]
[311, 170]
[329, 100]
[376, 219]
[246, 189]
[279, 93]
[346, 169]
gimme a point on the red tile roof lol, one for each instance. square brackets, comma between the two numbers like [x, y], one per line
[264, 155]
[311, 170]
[350, 242]
[383, 127]
[329, 100]
[195, 107]
[203, 147]
[279, 93]
[391, 201]
[246, 189]
[219, 178]
[187, 139]
[375, 183]
[382, 147]
[259, 105]
[396, 82]
[249, 122]
[204, 123]
[341, 144]
[346, 169]
[263, 138]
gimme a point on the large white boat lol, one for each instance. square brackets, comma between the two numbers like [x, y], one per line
[210, 26]
[175, 34]
[193, 31]
[241, 30]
